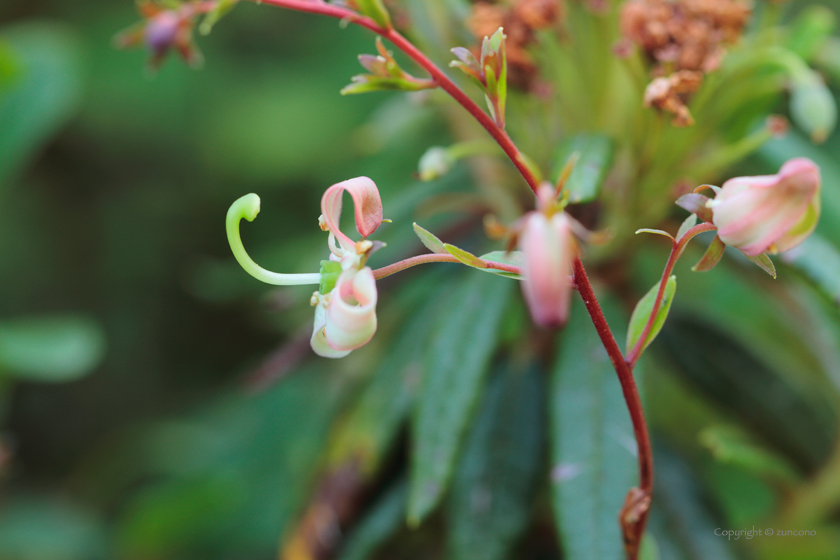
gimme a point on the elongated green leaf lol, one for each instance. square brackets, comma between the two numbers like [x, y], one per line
[374, 421]
[464, 256]
[711, 257]
[220, 10]
[644, 308]
[55, 349]
[456, 364]
[655, 232]
[592, 445]
[429, 239]
[516, 258]
[496, 478]
[596, 155]
[385, 518]
[45, 93]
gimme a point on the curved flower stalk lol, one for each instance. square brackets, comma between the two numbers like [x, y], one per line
[345, 304]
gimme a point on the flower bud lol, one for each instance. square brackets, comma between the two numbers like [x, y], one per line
[770, 213]
[549, 247]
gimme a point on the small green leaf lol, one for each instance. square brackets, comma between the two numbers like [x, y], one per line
[429, 239]
[220, 10]
[497, 476]
[711, 257]
[51, 349]
[458, 357]
[596, 156]
[655, 232]
[515, 258]
[592, 445]
[365, 83]
[465, 257]
[812, 106]
[435, 163]
[689, 223]
[764, 263]
[643, 310]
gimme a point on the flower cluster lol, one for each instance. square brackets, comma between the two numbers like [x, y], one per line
[345, 304]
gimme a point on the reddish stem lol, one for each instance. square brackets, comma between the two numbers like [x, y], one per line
[392, 35]
[631, 396]
[677, 248]
[437, 257]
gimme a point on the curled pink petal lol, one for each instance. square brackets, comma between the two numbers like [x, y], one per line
[769, 213]
[368, 207]
[549, 247]
[351, 312]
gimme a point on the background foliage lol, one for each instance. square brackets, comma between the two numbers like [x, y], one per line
[205, 428]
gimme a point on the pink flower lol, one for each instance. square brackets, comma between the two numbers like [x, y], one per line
[549, 247]
[345, 317]
[770, 213]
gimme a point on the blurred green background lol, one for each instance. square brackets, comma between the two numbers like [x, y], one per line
[158, 403]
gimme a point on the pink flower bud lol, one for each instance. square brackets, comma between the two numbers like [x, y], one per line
[348, 320]
[162, 32]
[549, 247]
[769, 213]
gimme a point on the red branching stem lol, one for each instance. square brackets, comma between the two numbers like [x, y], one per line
[677, 248]
[445, 83]
[628, 387]
[436, 258]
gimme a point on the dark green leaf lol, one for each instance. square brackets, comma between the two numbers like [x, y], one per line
[596, 155]
[44, 95]
[592, 444]
[456, 364]
[496, 478]
[642, 312]
[53, 349]
[385, 518]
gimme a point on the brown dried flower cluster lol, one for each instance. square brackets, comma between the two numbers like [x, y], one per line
[686, 39]
[520, 19]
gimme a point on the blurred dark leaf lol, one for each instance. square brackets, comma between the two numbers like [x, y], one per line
[456, 363]
[494, 483]
[386, 516]
[819, 260]
[731, 445]
[53, 349]
[33, 528]
[593, 450]
[44, 95]
[680, 520]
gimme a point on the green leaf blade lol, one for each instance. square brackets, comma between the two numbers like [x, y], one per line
[430, 240]
[643, 310]
[501, 463]
[592, 444]
[453, 376]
